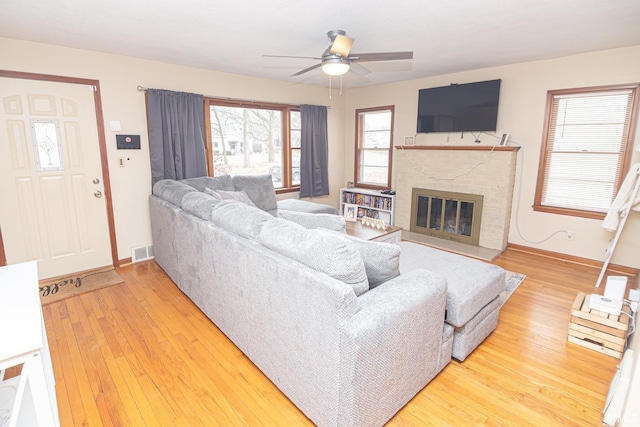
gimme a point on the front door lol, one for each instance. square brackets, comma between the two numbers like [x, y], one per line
[52, 202]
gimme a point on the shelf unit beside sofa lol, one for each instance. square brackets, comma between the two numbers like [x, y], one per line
[370, 203]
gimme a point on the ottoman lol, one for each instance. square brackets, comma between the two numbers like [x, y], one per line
[473, 287]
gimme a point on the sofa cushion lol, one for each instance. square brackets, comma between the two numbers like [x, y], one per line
[172, 191]
[259, 188]
[312, 220]
[239, 196]
[222, 182]
[305, 206]
[471, 283]
[200, 204]
[322, 250]
[381, 260]
[159, 187]
[239, 218]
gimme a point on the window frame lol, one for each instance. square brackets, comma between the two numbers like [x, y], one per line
[359, 149]
[625, 151]
[285, 109]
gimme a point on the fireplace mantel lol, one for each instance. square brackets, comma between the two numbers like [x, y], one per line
[459, 147]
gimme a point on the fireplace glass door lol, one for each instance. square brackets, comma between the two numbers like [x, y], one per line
[453, 216]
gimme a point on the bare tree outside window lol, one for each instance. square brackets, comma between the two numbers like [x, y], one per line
[251, 139]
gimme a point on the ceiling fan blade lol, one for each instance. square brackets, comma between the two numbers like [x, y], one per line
[341, 45]
[380, 56]
[359, 70]
[289, 56]
[313, 67]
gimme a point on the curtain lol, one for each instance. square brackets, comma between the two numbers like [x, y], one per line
[314, 151]
[176, 135]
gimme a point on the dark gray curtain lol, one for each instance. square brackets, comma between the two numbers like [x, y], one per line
[314, 151]
[176, 135]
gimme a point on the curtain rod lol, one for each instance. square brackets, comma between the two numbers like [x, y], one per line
[144, 89]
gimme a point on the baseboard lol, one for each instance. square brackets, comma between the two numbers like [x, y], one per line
[574, 259]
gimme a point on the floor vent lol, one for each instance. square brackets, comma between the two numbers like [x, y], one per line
[141, 253]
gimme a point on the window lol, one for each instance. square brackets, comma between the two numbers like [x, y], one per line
[248, 138]
[374, 142]
[586, 149]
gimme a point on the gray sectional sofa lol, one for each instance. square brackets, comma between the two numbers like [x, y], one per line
[349, 330]
[326, 318]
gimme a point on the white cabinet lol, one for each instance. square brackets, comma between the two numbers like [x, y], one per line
[371, 203]
[30, 398]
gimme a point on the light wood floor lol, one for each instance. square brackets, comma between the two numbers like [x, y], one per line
[140, 353]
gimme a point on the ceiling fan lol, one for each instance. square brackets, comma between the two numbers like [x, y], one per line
[337, 59]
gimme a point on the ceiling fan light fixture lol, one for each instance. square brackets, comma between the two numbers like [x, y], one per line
[335, 66]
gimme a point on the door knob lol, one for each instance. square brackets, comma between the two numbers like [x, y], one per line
[98, 194]
[96, 181]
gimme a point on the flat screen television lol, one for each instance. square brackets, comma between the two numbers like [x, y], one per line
[459, 107]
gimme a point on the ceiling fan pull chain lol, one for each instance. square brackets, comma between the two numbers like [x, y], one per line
[329, 87]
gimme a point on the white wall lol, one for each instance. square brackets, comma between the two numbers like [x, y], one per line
[521, 113]
[119, 76]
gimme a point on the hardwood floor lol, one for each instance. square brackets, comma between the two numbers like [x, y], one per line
[140, 353]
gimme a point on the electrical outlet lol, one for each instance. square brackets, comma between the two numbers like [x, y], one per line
[120, 162]
[569, 235]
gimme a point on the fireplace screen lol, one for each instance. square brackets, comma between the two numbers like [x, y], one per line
[453, 216]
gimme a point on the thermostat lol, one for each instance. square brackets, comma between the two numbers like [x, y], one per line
[128, 142]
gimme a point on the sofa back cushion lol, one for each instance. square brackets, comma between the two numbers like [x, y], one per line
[199, 204]
[172, 191]
[315, 220]
[260, 190]
[239, 218]
[321, 250]
[222, 182]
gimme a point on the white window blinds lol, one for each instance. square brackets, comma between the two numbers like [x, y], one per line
[585, 148]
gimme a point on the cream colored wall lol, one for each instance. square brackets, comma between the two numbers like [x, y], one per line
[522, 104]
[521, 113]
[119, 76]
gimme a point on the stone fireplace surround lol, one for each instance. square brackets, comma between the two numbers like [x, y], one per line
[485, 170]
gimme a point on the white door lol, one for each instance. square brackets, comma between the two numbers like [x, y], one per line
[52, 204]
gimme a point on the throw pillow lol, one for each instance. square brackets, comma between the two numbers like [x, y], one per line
[212, 193]
[313, 220]
[239, 196]
[221, 182]
[381, 260]
[322, 250]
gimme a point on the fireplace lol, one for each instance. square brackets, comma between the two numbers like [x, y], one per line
[447, 215]
[485, 171]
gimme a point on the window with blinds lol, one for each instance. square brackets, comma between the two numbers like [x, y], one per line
[587, 140]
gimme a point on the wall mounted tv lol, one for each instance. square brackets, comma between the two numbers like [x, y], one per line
[459, 107]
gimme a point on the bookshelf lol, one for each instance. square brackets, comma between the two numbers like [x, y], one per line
[370, 203]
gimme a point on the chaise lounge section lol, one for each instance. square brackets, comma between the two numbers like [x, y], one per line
[473, 289]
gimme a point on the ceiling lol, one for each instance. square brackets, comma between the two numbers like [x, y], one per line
[233, 36]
